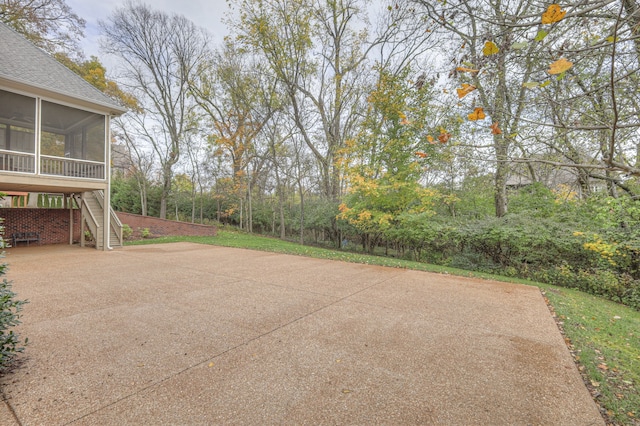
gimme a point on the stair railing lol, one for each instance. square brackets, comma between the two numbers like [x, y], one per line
[114, 221]
[93, 225]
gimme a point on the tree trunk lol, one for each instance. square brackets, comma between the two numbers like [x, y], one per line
[500, 181]
[302, 216]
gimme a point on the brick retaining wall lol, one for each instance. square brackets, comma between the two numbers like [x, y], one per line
[52, 224]
[162, 227]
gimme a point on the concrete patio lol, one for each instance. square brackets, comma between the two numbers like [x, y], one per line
[190, 334]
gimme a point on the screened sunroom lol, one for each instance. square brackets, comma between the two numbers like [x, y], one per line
[46, 138]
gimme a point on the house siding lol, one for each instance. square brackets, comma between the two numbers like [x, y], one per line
[51, 224]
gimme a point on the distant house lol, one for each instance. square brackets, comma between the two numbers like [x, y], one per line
[54, 145]
[121, 163]
[552, 177]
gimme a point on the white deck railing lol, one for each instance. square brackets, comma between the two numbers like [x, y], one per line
[70, 167]
[12, 161]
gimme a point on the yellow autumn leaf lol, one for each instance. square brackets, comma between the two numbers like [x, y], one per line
[559, 66]
[553, 14]
[465, 90]
[490, 48]
[466, 69]
[430, 139]
[477, 114]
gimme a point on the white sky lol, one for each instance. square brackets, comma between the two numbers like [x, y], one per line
[204, 13]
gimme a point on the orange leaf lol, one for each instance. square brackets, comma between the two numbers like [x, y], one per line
[444, 136]
[421, 154]
[495, 130]
[477, 114]
[465, 69]
[559, 66]
[430, 139]
[553, 14]
[465, 90]
[405, 122]
[490, 48]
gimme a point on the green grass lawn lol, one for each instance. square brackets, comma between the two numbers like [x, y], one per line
[603, 336]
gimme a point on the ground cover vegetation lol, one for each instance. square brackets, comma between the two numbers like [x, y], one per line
[10, 306]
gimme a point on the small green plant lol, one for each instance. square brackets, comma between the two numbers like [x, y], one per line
[127, 232]
[10, 308]
[88, 236]
[145, 233]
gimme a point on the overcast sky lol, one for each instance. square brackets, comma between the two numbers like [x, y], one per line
[204, 13]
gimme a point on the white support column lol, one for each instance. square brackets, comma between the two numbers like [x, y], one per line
[37, 129]
[83, 212]
[68, 198]
[106, 245]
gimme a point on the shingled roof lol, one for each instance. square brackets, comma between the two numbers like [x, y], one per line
[23, 63]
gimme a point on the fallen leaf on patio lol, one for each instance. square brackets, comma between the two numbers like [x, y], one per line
[210, 364]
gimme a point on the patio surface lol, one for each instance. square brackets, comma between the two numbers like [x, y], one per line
[190, 334]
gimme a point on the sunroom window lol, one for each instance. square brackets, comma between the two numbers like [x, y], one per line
[72, 133]
[17, 132]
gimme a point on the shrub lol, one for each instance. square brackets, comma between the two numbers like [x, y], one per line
[10, 308]
[127, 232]
[145, 233]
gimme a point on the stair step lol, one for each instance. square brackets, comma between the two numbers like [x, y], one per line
[95, 209]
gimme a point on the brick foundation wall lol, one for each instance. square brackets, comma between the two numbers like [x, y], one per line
[52, 224]
[162, 227]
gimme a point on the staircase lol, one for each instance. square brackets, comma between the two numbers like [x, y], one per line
[92, 207]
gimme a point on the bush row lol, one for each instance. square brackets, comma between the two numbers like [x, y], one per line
[600, 261]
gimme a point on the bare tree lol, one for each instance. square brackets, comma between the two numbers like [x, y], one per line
[160, 54]
[141, 161]
[237, 100]
[49, 24]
